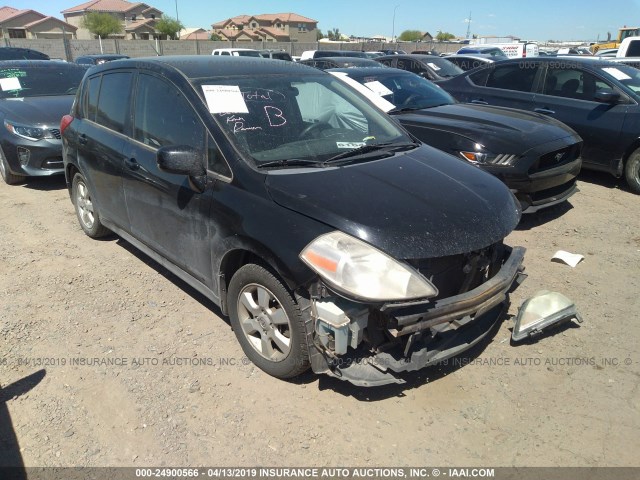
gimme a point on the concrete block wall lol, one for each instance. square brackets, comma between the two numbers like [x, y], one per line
[73, 48]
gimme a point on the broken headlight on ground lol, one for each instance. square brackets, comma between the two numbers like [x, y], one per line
[541, 311]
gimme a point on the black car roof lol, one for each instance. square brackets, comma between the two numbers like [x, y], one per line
[567, 61]
[201, 66]
[478, 56]
[362, 71]
[416, 56]
[103, 55]
[340, 59]
[52, 64]
[22, 53]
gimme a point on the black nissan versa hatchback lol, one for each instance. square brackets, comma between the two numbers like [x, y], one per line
[328, 234]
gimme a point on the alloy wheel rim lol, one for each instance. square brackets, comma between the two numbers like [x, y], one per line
[85, 205]
[264, 322]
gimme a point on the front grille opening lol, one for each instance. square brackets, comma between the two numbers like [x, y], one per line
[55, 132]
[557, 191]
[456, 274]
[556, 158]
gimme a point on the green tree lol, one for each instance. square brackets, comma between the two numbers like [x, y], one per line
[410, 35]
[444, 36]
[319, 35]
[169, 26]
[334, 34]
[215, 37]
[101, 24]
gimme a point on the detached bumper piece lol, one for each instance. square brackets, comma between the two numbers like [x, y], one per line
[424, 333]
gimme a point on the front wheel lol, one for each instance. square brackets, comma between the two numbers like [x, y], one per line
[8, 177]
[268, 322]
[632, 171]
[87, 214]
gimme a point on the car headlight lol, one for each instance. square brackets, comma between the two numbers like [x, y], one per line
[27, 131]
[483, 158]
[362, 271]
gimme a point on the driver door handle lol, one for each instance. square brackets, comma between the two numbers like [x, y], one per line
[544, 111]
[131, 163]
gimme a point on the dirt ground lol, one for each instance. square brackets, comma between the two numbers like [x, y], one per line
[108, 360]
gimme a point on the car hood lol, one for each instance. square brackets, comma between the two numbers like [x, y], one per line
[499, 129]
[46, 111]
[417, 204]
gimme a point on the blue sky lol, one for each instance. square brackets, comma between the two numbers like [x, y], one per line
[536, 20]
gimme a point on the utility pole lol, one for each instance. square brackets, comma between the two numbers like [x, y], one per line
[468, 26]
[177, 19]
[393, 31]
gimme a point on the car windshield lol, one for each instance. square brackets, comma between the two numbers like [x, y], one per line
[628, 76]
[296, 120]
[494, 52]
[443, 67]
[36, 81]
[405, 90]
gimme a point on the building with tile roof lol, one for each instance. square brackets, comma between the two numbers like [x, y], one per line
[138, 19]
[269, 27]
[194, 34]
[26, 23]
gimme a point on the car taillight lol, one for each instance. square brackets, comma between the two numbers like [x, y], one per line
[65, 122]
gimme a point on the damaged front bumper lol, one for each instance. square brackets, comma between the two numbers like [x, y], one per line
[420, 334]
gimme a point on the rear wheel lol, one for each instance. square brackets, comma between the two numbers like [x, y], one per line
[632, 171]
[87, 214]
[8, 177]
[268, 322]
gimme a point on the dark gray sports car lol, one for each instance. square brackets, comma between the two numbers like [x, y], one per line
[34, 95]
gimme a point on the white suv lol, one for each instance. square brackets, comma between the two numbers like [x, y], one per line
[237, 52]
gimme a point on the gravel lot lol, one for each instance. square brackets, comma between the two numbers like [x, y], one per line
[108, 360]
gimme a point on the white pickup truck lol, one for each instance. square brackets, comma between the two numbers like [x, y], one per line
[630, 47]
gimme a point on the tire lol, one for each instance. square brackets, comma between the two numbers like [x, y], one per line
[87, 214]
[8, 177]
[632, 171]
[268, 322]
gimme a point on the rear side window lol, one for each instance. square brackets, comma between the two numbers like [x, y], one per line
[114, 100]
[480, 78]
[282, 56]
[164, 117]
[573, 83]
[93, 87]
[513, 77]
[634, 49]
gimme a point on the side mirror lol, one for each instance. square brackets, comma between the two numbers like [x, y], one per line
[183, 160]
[606, 96]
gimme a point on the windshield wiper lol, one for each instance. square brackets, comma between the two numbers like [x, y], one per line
[386, 147]
[289, 162]
[413, 109]
[405, 109]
